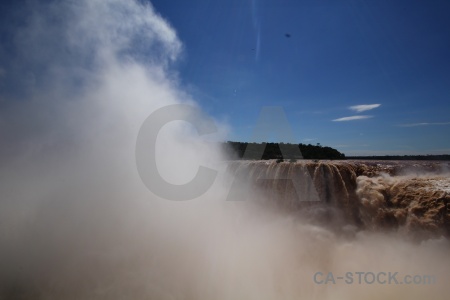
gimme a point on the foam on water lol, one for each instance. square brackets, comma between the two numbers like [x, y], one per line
[77, 222]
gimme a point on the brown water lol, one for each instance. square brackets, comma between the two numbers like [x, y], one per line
[77, 222]
[408, 195]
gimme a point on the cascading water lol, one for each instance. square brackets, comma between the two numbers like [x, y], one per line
[366, 194]
[77, 222]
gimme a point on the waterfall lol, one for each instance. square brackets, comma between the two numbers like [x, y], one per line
[411, 196]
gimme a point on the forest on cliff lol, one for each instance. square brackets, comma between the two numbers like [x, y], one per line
[287, 151]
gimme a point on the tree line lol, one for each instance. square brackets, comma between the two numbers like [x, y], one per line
[403, 157]
[287, 151]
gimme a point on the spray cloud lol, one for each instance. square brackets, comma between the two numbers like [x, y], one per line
[78, 79]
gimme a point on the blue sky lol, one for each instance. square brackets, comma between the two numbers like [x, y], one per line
[364, 77]
[318, 59]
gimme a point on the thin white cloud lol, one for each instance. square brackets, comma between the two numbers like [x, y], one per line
[351, 118]
[424, 124]
[363, 107]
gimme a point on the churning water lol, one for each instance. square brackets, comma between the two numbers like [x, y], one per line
[77, 222]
